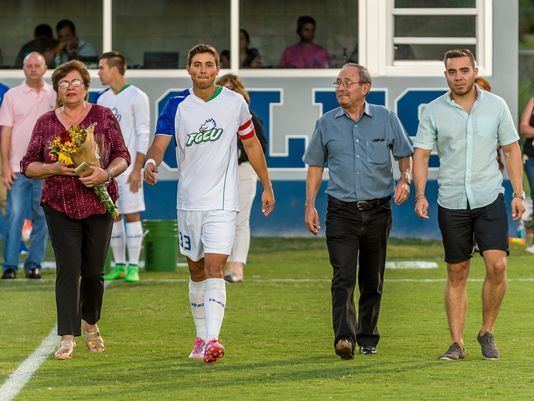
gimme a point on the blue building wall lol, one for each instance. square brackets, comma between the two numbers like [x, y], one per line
[288, 217]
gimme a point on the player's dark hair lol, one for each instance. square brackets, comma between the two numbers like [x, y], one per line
[202, 48]
[114, 59]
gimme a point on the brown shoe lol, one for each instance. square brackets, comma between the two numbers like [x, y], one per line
[345, 349]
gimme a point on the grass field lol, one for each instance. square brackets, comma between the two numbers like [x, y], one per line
[278, 337]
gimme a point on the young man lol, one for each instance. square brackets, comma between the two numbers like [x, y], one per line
[205, 121]
[21, 108]
[130, 106]
[305, 53]
[71, 47]
[466, 125]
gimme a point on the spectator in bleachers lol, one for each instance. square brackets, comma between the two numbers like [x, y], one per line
[71, 47]
[248, 57]
[305, 54]
[224, 59]
[43, 42]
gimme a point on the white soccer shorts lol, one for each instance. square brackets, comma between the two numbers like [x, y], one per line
[206, 231]
[129, 202]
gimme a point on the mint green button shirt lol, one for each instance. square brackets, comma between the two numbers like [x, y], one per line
[467, 147]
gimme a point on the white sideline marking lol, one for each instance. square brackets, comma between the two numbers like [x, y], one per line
[327, 280]
[411, 264]
[18, 379]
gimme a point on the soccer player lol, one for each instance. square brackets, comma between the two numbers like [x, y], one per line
[205, 121]
[130, 106]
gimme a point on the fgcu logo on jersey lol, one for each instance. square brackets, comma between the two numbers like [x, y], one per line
[208, 132]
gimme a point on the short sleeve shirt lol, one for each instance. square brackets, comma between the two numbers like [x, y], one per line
[358, 153]
[467, 147]
[206, 136]
[21, 107]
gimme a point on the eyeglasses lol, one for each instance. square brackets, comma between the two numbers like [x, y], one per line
[75, 83]
[346, 84]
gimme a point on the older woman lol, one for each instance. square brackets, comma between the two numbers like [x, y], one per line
[247, 189]
[79, 226]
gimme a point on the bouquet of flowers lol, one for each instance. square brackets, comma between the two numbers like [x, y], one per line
[75, 146]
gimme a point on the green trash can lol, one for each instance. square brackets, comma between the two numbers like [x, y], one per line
[161, 245]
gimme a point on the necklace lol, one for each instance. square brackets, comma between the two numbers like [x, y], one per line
[77, 118]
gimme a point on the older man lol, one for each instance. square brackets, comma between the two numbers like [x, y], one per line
[21, 108]
[466, 124]
[357, 140]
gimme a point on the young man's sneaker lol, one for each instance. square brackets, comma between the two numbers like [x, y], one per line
[345, 349]
[132, 274]
[454, 353]
[214, 350]
[118, 272]
[487, 342]
[198, 349]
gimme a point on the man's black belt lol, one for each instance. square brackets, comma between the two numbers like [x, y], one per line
[361, 205]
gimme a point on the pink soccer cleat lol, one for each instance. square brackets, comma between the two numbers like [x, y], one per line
[198, 349]
[214, 351]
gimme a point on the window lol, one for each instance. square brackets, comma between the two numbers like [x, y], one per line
[157, 34]
[423, 31]
[28, 24]
[275, 28]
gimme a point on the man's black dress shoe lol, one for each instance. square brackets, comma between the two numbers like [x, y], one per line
[9, 274]
[34, 273]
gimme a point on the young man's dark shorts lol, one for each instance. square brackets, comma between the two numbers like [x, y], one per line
[459, 228]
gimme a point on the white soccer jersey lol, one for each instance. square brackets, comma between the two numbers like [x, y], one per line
[206, 137]
[130, 106]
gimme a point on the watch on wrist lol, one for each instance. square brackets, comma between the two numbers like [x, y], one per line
[520, 195]
[110, 178]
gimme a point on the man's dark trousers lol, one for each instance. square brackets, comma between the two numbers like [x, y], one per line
[354, 236]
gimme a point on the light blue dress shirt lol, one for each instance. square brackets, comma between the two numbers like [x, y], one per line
[358, 152]
[467, 147]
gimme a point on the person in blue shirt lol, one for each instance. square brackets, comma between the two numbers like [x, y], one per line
[466, 125]
[357, 141]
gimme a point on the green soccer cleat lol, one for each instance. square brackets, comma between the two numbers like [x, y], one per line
[133, 274]
[118, 272]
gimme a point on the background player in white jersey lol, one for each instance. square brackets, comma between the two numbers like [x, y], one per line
[130, 106]
[205, 122]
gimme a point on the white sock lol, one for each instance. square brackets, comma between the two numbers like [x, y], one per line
[134, 241]
[214, 303]
[118, 242]
[197, 290]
